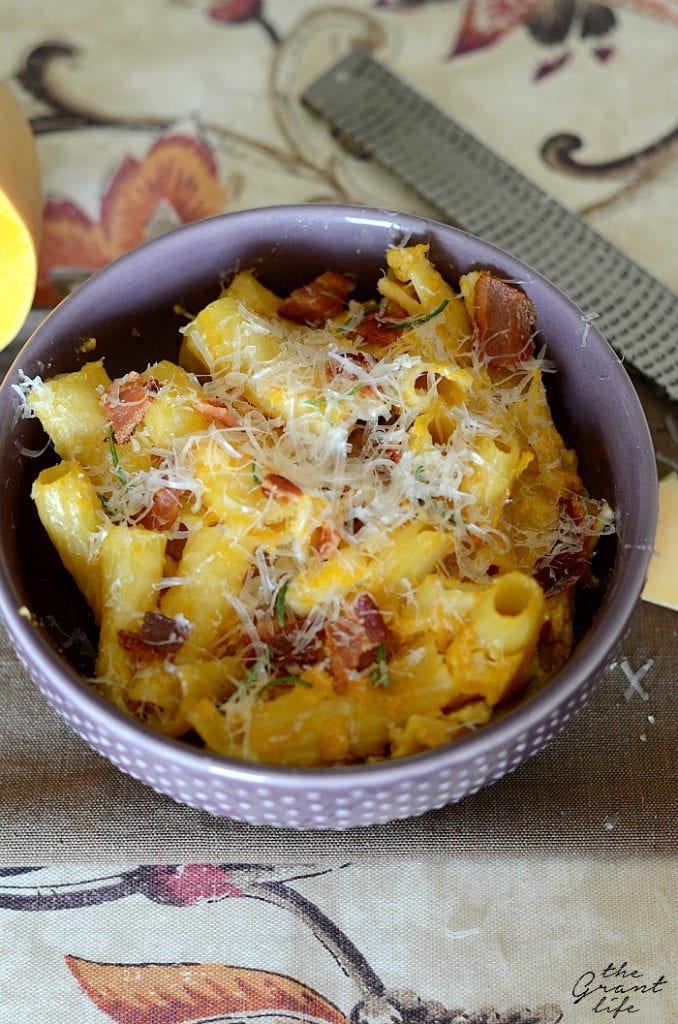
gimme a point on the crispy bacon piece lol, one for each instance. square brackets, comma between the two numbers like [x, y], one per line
[370, 619]
[319, 300]
[327, 541]
[125, 403]
[565, 567]
[279, 487]
[350, 642]
[175, 545]
[284, 648]
[163, 511]
[343, 647]
[376, 328]
[393, 452]
[216, 410]
[504, 319]
[159, 637]
[335, 369]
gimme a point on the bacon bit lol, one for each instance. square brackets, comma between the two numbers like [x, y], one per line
[216, 410]
[395, 454]
[359, 359]
[504, 319]
[559, 570]
[125, 403]
[319, 300]
[350, 643]
[327, 541]
[282, 643]
[175, 545]
[370, 618]
[335, 370]
[163, 512]
[343, 643]
[159, 637]
[375, 329]
[279, 487]
[424, 383]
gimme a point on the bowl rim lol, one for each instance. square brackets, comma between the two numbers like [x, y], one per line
[587, 661]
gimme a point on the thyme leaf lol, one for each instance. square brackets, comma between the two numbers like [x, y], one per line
[416, 320]
[280, 610]
[258, 670]
[380, 674]
[117, 468]
[317, 404]
[297, 680]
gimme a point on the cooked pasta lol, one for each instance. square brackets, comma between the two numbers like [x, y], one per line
[340, 531]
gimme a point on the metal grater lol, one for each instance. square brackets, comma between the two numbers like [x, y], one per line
[375, 113]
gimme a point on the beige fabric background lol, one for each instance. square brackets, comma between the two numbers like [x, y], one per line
[455, 930]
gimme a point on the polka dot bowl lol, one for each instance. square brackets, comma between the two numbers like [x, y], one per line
[131, 308]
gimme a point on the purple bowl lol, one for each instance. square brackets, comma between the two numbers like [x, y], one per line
[129, 307]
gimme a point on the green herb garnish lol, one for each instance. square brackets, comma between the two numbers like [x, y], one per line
[355, 320]
[254, 674]
[117, 468]
[418, 472]
[297, 680]
[280, 610]
[255, 475]
[258, 677]
[317, 404]
[416, 320]
[380, 674]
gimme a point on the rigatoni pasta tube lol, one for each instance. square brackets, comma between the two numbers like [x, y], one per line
[408, 558]
[341, 573]
[132, 564]
[170, 693]
[225, 337]
[491, 657]
[69, 410]
[508, 617]
[71, 512]
[211, 571]
[172, 413]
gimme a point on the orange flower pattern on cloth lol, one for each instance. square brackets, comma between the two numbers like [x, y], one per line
[550, 23]
[176, 182]
[178, 993]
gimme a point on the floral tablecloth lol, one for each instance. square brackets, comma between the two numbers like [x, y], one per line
[550, 896]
